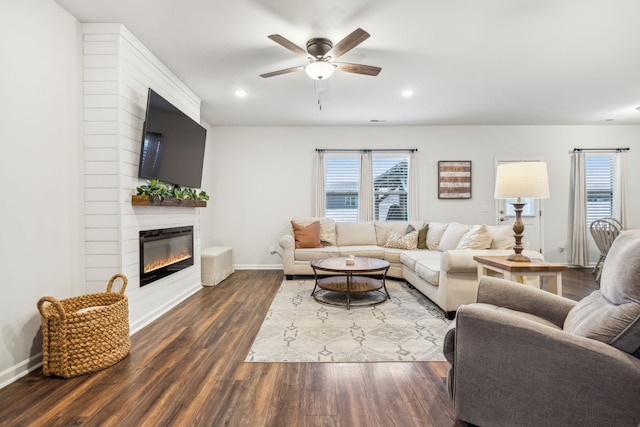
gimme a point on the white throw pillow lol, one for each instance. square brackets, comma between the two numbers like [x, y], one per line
[436, 230]
[477, 237]
[452, 236]
[501, 236]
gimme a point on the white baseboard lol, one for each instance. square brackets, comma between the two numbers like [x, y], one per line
[257, 266]
[19, 370]
[150, 317]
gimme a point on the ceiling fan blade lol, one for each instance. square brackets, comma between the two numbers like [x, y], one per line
[347, 43]
[285, 71]
[289, 45]
[369, 70]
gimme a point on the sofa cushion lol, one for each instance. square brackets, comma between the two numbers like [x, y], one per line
[429, 270]
[309, 254]
[436, 230]
[409, 241]
[356, 233]
[369, 251]
[393, 255]
[452, 235]
[307, 236]
[477, 237]
[501, 236]
[327, 228]
[409, 258]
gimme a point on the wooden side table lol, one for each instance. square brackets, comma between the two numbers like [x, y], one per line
[517, 271]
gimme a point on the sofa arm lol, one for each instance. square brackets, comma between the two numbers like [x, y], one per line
[512, 371]
[288, 244]
[515, 296]
[461, 260]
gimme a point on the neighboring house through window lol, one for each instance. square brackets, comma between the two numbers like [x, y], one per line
[389, 181]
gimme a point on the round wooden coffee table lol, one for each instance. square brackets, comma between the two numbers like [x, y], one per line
[359, 284]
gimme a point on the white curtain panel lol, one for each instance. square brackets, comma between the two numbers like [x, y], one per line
[320, 202]
[620, 188]
[365, 203]
[413, 186]
[579, 251]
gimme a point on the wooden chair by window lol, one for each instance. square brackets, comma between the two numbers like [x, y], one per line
[604, 231]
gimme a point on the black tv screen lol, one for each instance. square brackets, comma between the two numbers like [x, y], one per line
[172, 145]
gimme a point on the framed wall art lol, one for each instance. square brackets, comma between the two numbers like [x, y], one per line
[454, 179]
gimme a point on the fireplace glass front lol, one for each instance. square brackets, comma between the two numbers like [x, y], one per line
[164, 251]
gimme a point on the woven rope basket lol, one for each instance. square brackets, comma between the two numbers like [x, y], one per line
[86, 333]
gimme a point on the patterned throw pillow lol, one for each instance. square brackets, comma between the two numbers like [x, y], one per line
[408, 241]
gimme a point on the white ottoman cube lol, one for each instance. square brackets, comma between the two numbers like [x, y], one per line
[216, 264]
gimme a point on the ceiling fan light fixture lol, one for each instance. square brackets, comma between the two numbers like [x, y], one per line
[320, 70]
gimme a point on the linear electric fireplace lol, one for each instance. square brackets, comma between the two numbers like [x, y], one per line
[164, 251]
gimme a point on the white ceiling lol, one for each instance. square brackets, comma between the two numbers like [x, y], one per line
[471, 62]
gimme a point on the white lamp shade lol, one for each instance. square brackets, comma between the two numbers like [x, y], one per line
[522, 179]
[320, 70]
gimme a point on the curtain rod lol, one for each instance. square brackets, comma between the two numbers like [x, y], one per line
[346, 150]
[617, 150]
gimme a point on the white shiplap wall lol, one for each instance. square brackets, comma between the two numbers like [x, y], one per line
[118, 70]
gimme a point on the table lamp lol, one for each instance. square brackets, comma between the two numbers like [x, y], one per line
[521, 180]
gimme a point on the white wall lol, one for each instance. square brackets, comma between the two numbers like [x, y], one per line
[72, 103]
[41, 171]
[263, 176]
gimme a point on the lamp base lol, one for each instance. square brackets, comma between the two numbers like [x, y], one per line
[518, 228]
[518, 258]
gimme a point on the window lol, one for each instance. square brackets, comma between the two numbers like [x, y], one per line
[389, 181]
[599, 186]
[390, 188]
[342, 187]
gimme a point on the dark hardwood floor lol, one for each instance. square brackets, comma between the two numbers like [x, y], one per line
[187, 369]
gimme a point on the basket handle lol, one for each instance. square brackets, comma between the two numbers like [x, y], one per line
[56, 304]
[113, 279]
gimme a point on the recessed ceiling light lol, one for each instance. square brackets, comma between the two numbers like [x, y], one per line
[407, 93]
[240, 93]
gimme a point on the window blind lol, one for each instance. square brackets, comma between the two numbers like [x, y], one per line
[390, 187]
[342, 184]
[599, 186]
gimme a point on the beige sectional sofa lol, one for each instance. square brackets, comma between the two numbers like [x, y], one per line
[444, 271]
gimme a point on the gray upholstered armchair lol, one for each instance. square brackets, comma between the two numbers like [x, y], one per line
[524, 357]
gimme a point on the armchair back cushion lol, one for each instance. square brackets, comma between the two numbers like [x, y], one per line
[612, 314]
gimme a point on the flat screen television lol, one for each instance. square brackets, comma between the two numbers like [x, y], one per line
[172, 144]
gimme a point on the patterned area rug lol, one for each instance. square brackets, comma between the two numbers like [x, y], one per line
[297, 328]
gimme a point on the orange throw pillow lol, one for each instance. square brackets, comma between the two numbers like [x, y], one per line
[307, 236]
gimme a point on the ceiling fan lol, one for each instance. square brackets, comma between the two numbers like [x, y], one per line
[321, 53]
